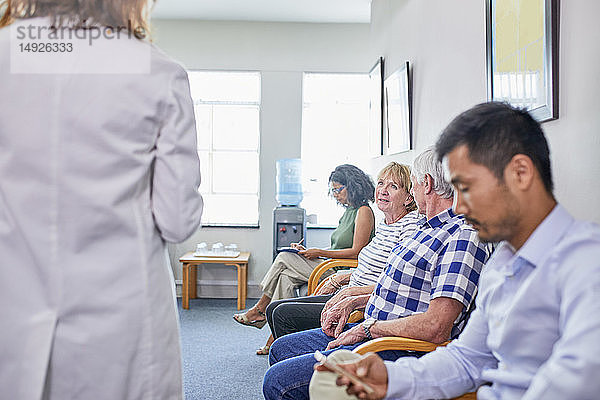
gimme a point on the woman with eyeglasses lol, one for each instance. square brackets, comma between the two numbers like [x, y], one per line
[351, 188]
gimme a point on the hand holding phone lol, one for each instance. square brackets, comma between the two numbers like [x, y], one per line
[322, 359]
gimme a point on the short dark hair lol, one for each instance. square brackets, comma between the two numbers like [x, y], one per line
[494, 133]
[359, 186]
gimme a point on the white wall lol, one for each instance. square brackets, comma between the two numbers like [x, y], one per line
[282, 52]
[445, 43]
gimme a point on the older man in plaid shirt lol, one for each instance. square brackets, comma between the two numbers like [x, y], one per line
[424, 292]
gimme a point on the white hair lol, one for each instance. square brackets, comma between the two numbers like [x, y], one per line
[427, 163]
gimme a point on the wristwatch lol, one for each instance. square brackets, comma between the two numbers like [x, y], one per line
[366, 325]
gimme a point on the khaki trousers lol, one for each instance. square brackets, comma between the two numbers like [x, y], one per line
[288, 271]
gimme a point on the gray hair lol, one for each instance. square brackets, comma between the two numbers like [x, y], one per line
[427, 163]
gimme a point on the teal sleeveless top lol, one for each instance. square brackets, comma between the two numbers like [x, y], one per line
[343, 236]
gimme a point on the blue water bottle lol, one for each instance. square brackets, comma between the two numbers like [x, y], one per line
[289, 181]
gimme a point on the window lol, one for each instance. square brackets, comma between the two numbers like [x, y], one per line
[227, 106]
[335, 130]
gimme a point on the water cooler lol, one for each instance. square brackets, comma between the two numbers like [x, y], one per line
[289, 220]
[289, 226]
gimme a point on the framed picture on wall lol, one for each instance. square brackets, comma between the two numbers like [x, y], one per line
[398, 111]
[376, 108]
[522, 55]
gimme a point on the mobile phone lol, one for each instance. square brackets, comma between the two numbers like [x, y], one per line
[322, 359]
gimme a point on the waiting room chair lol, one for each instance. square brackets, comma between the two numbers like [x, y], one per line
[315, 276]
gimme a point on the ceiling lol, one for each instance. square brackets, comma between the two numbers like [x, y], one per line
[331, 11]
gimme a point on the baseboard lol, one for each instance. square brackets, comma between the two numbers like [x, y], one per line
[220, 289]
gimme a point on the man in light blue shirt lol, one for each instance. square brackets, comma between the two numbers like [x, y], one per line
[536, 329]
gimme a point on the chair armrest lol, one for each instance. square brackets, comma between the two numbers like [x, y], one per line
[320, 285]
[396, 343]
[315, 276]
[355, 316]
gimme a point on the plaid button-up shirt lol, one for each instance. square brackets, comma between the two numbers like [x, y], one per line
[442, 259]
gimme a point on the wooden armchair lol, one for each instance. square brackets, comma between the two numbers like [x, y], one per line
[400, 343]
[315, 276]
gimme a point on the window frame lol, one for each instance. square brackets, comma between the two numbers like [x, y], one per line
[210, 149]
[364, 164]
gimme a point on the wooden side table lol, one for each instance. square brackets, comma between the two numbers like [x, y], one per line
[190, 275]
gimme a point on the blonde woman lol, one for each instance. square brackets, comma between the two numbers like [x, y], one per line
[393, 198]
[98, 169]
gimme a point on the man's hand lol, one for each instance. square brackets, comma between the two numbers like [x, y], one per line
[358, 291]
[342, 294]
[370, 369]
[334, 319]
[351, 336]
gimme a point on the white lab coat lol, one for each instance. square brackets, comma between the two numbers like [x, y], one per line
[96, 173]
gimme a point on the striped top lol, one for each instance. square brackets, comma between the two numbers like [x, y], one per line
[373, 257]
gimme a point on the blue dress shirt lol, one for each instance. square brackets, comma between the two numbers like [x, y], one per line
[535, 333]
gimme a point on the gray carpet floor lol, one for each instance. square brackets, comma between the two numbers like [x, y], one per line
[219, 360]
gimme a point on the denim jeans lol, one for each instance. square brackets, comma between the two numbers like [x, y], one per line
[292, 360]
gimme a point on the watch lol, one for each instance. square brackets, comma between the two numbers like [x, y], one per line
[366, 325]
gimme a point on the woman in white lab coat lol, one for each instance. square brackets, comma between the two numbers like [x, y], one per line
[98, 169]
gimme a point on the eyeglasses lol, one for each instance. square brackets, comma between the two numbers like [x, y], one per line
[337, 190]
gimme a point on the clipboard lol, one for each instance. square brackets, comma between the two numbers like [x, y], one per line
[288, 250]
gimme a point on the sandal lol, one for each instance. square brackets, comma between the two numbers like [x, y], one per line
[263, 351]
[258, 323]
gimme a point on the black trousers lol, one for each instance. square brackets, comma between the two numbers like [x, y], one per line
[295, 315]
